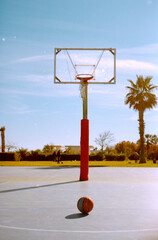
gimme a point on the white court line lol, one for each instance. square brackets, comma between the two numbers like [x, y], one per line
[3, 182]
[79, 231]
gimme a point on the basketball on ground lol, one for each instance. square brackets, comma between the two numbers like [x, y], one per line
[85, 205]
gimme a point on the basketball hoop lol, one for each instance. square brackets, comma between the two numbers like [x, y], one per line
[84, 77]
[83, 83]
[80, 66]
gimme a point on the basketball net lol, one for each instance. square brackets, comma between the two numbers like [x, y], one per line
[82, 89]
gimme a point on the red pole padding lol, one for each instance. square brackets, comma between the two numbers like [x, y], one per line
[84, 160]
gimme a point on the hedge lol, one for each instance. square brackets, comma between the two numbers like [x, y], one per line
[38, 157]
[96, 158]
[34, 156]
[134, 156]
[73, 157]
[115, 157]
[7, 157]
[153, 156]
[70, 157]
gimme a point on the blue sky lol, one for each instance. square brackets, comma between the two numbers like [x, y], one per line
[36, 112]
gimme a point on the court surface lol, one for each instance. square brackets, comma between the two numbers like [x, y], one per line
[41, 203]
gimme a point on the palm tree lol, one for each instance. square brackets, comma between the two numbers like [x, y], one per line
[2, 129]
[141, 98]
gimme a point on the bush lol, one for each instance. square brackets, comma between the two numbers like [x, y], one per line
[7, 156]
[70, 157]
[153, 152]
[96, 157]
[153, 156]
[23, 154]
[134, 156]
[73, 157]
[36, 155]
[99, 156]
[49, 157]
[115, 157]
[17, 156]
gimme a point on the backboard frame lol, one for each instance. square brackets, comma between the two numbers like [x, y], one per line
[111, 50]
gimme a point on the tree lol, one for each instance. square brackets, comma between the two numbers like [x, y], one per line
[141, 98]
[153, 152]
[126, 147]
[104, 139]
[10, 146]
[154, 139]
[48, 148]
[2, 129]
[23, 153]
[110, 149]
[150, 140]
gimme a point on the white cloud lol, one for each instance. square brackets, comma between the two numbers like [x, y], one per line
[153, 118]
[93, 56]
[128, 64]
[36, 78]
[22, 111]
[146, 49]
[64, 91]
[132, 118]
[36, 58]
[100, 91]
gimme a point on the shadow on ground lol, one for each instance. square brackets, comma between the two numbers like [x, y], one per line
[76, 215]
[56, 167]
[35, 187]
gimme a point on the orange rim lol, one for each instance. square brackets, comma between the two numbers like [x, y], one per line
[84, 77]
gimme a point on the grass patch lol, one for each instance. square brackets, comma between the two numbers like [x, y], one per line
[77, 163]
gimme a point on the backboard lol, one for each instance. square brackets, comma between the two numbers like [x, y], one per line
[98, 63]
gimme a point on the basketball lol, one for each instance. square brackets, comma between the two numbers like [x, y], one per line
[85, 205]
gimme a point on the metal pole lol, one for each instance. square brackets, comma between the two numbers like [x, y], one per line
[85, 101]
[84, 160]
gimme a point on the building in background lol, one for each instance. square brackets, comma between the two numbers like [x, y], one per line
[76, 149]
